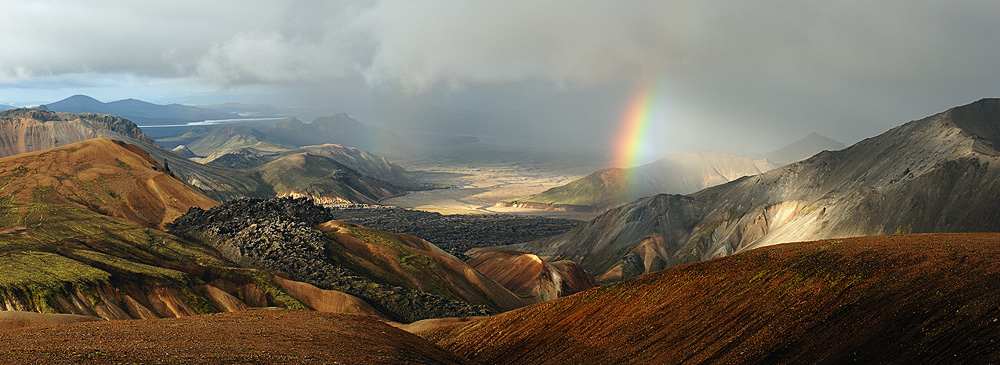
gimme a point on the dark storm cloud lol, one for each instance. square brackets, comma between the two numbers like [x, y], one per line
[740, 75]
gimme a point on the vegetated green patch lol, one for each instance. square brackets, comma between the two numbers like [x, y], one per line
[379, 238]
[45, 270]
[119, 264]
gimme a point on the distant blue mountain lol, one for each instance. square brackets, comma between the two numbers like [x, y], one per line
[139, 111]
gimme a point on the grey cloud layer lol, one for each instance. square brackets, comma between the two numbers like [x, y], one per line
[729, 61]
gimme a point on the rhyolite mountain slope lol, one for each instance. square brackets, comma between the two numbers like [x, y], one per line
[802, 149]
[920, 298]
[937, 174]
[78, 235]
[676, 174]
[530, 277]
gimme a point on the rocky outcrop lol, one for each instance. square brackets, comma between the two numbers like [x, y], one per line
[457, 233]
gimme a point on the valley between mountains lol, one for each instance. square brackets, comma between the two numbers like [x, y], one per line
[231, 244]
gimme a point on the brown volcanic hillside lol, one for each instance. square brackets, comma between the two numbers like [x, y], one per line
[108, 177]
[259, 337]
[530, 277]
[922, 298]
[937, 174]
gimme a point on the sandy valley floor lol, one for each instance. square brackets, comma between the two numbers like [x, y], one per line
[482, 178]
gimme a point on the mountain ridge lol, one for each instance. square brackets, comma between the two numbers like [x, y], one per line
[930, 175]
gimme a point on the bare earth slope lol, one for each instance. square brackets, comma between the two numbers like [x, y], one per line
[259, 337]
[937, 174]
[676, 174]
[530, 277]
[922, 298]
[109, 177]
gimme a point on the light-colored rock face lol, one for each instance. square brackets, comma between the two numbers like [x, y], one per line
[938, 174]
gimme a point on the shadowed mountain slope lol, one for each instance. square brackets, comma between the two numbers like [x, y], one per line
[922, 298]
[676, 174]
[937, 174]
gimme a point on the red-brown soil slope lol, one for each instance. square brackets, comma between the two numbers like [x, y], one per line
[530, 277]
[884, 299]
[108, 177]
[278, 337]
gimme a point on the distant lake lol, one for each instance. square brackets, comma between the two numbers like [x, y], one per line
[168, 130]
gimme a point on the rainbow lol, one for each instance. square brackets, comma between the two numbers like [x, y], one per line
[633, 142]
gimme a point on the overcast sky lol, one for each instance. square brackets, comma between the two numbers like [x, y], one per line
[736, 76]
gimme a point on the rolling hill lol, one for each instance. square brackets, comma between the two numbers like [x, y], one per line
[920, 298]
[676, 174]
[937, 174]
